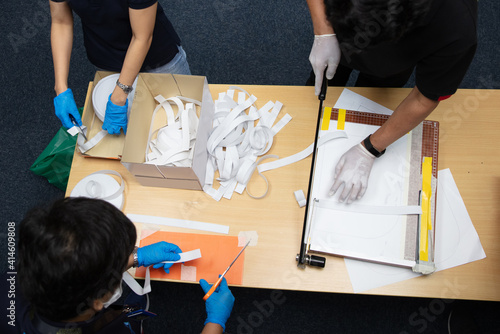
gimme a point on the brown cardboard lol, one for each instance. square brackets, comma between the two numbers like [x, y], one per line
[110, 147]
[150, 85]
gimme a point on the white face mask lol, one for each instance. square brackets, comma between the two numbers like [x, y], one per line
[116, 295]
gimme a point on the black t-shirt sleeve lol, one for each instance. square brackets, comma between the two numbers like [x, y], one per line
[141, 4]
[440, 75]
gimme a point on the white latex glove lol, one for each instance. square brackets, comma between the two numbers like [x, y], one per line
[325, 53]
[353, 170]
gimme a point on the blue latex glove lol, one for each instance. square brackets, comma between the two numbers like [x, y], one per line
[220, 303]
[156, 253]
[65, 105]
[115, 118]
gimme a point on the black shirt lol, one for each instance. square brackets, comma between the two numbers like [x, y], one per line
[107, 32]
[441, 50]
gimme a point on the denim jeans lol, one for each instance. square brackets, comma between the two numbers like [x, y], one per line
[178, 65]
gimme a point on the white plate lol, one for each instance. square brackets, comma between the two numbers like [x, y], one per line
[101, 93]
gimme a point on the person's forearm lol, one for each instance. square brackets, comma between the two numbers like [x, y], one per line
[413, 110]
[61, 40]
[320, 23]
[142, 22]
[134, 59]
[212, 328]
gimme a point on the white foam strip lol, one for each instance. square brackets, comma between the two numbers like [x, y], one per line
[300, 197]
[370, 209]
[73, 131]
[187, 256]
[190, 224]
[132, 283]
[302, 154]
[281, 124]
[85, 146]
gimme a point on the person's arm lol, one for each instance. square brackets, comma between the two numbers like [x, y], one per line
[321, 25]
[154, 254]
[325, 52]
[413, 110]
[61, 40]
[142, 22]
[354, 167]
[212, 328]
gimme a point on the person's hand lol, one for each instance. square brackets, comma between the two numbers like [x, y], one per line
[325, 54]
[154, 254]
[115, 118]
[220, 303]
[352, 171]
[65, 105]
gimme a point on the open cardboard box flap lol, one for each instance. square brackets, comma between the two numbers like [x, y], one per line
[109, 147]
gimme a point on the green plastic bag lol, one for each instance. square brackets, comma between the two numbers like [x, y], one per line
[54, 163]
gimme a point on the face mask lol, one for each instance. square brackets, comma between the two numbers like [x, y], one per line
[116, 295]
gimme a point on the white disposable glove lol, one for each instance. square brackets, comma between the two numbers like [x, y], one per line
[352, 171]
[325, 54]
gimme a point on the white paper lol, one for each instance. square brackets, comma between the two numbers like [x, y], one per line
[457, 242]
[352, 101]
[347, 233]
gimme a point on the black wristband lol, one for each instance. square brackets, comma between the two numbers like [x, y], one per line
[371, 149]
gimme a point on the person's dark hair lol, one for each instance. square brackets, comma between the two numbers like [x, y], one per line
[360, 24]
[71, 254]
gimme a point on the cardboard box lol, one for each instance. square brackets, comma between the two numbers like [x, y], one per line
[110, 147]
[150, 85]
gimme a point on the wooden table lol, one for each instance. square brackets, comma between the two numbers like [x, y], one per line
[469, 141]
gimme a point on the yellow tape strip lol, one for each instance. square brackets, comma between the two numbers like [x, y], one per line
[341, 119]
[327, 114]
[425, 219]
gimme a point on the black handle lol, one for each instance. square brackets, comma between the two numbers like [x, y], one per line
[324, 84]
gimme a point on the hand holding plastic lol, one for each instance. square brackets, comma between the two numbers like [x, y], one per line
[220, 303]
[115, 118]
[325, 53]
[353, 171]
[155, 253]
[65, 105]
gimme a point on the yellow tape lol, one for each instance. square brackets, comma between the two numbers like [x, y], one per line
[341, 119]
[327, 113]
[425, 219]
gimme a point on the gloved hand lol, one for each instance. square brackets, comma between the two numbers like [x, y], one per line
[325, 54]
[115, 118]
[353, 170]
[65, 105]
[154, 254]
[220, 303]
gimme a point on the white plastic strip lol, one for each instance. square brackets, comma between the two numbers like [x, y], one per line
[190, 224]
[136, 287]
[187, 256]
[370, 209]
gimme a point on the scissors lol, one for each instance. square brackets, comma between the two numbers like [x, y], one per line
[212, 289]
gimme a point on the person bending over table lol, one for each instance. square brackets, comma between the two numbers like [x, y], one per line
[386, 40]
[126, 36]
[70, 265]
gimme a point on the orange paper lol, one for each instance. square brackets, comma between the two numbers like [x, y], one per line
[217, 252]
